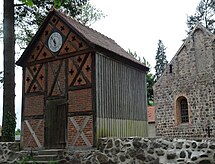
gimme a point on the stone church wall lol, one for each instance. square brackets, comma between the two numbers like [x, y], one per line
[189, 74]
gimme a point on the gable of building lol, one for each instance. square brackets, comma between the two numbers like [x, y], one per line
[193, 59]
[76, 37]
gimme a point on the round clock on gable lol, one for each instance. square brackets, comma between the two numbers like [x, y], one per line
[55, 42]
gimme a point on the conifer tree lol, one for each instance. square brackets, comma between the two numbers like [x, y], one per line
[161, 60]
[205, 14]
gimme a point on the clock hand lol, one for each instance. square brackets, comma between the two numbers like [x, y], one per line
[54, 42]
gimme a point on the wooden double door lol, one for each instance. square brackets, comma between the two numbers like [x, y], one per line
[55, 124]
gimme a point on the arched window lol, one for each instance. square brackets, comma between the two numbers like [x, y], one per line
[182, 114]
[184, 111]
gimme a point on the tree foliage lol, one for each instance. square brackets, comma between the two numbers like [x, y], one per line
[28, 2]
[143, 60]
[89, 15]
[18, 132]
[149, 78]
[205, 14]
[32, 16]
[160, 59]
[8, 130]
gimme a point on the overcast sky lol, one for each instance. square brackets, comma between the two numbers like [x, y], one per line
[136, 25]
[139, 24]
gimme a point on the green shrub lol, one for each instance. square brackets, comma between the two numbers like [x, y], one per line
[8, 130]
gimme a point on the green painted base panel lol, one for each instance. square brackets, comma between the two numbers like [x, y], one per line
[120, 128]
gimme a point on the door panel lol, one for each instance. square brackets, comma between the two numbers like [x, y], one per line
[55, 123]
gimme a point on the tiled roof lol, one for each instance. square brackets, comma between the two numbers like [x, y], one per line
[151, 114]
[98, 39]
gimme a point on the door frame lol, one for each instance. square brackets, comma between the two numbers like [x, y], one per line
[55, 100]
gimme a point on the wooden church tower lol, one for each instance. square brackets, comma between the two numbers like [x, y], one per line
[79, 85]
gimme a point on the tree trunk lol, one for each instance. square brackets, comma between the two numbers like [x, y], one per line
[9, 67]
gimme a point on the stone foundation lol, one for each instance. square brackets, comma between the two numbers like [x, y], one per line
[9, 152]
[156, 151]
[133, 150]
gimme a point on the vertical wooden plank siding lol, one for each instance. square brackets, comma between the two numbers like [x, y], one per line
[121, 99]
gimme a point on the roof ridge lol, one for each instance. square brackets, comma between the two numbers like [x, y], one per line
[97, 38]
[90, 28]
[83, 25]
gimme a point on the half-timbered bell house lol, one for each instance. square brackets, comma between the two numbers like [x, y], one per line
[79, 85]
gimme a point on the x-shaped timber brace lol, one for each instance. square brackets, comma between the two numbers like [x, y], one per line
[33, 133]
[80, 131]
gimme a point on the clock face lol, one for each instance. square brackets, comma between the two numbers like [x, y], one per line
[55, 42]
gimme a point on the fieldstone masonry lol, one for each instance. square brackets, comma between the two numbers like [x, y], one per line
[190, 74]
[152, 151]
[133, 150]
[9, 152]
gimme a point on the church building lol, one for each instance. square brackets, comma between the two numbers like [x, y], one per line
[185, 93]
